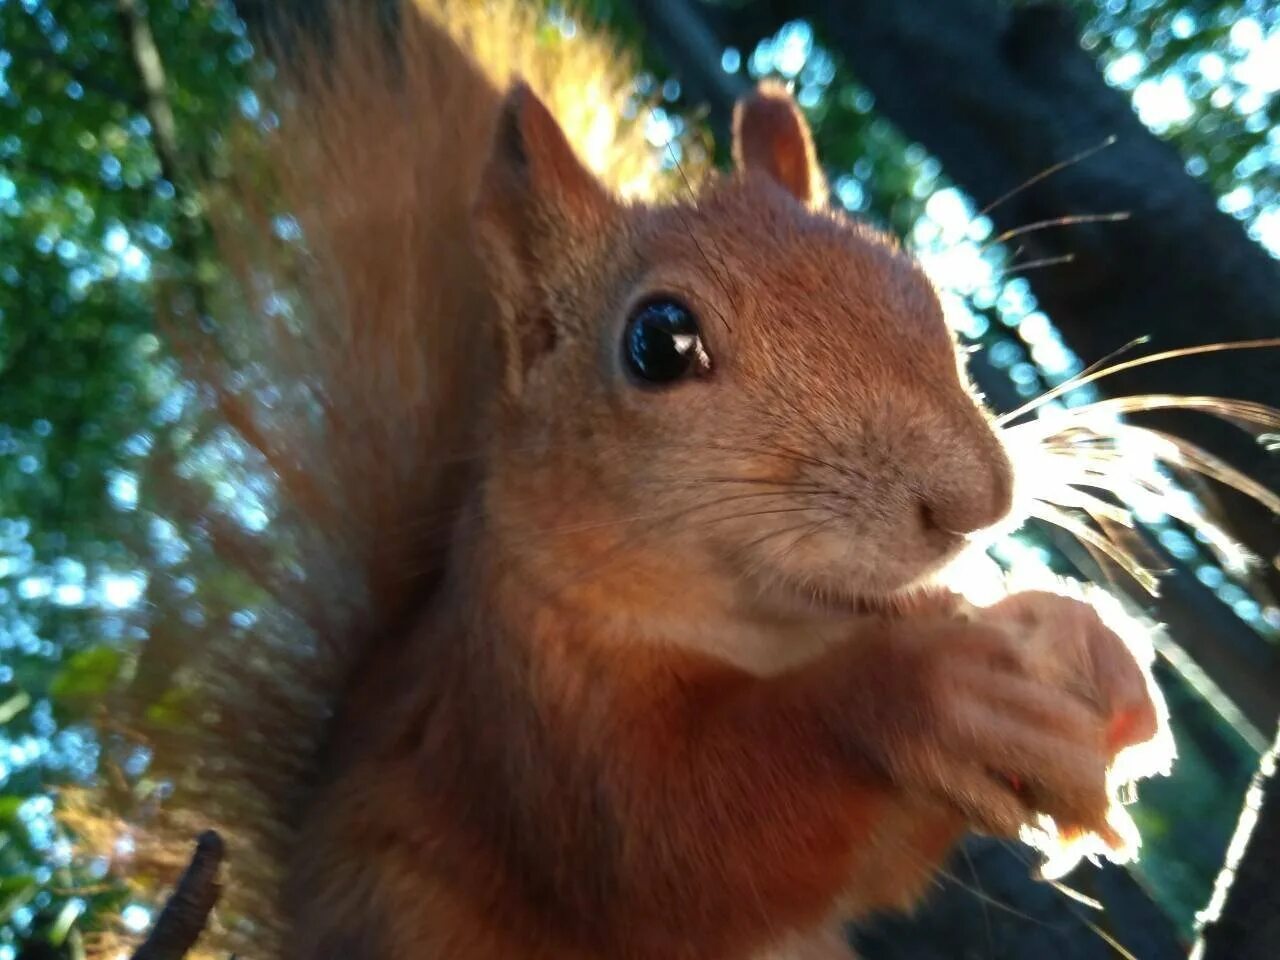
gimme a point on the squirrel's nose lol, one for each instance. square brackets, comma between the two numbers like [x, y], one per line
[971, 492]
[967, 513]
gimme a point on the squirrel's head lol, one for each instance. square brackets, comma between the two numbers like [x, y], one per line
[746, 386]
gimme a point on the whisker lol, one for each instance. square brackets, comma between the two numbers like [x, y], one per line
[1265, 343]
[1131, 464]
[1044, 174]
[1072, 496]
[1030, 265]
[757, 513]
[1182, 452]
[721, 277]
[816, 530]
[1115, 354]
[666, 443]
[1246, 414]
[700, 481]
[813, 424]
[938, 871]
[1108, 939]
[1091, 368]
[1090, 537]
[977, 884]
[1076, 895]
[776, 533]
[1174, 451]
[1063, 221]
[809, 459]
[665, 515]
[659, 521]
[1123, 952]
[1133, 482]
[1083, 449]
[439, 521]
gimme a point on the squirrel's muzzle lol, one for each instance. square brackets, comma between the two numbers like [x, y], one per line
[970, 485]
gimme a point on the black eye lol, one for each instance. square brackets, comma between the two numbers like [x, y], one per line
[662, 342]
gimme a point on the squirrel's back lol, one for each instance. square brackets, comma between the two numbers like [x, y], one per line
[348, 366]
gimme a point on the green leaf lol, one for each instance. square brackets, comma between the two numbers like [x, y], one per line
[10, 804]
[87, 676]
[67, 916]
[15, 892]
[14, 705]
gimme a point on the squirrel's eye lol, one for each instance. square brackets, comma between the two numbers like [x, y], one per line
[662, 342]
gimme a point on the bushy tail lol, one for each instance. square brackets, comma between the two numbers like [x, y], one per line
[338, 370]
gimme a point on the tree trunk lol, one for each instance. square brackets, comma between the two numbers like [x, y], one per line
[1244, 917]
[682, 40]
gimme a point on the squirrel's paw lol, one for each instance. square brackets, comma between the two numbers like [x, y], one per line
[995, 740]
[1065, 643]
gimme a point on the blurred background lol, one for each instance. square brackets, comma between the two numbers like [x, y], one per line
[1145, 138]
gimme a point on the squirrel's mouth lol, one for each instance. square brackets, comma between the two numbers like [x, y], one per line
[888, 593]
[844, 583]
[834, 600]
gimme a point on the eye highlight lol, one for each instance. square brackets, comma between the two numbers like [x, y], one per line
[662, 342]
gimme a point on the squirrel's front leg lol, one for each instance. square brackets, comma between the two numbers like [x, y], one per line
[750, 800]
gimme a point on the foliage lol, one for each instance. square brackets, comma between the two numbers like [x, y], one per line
[1204, 75]
[91, 226]
[86, 221]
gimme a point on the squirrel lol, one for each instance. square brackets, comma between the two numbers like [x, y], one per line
[620, 634]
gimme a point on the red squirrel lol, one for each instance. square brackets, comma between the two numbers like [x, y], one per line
[647, 500]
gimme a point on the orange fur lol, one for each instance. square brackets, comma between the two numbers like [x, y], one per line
[627, 695]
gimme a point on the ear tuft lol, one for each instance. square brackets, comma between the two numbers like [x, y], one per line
[771, 135]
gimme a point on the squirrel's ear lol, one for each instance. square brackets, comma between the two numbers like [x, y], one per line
[771, 135]
[538, 212]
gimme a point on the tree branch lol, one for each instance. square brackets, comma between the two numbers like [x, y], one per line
[189, 234]
[158, 109]
[186, 913]
[146, 59]
[1243, 918]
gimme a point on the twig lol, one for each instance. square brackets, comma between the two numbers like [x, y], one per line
[155, 99]
[189, 229]
[1242, 920]
[158, 108]
[187, 911]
